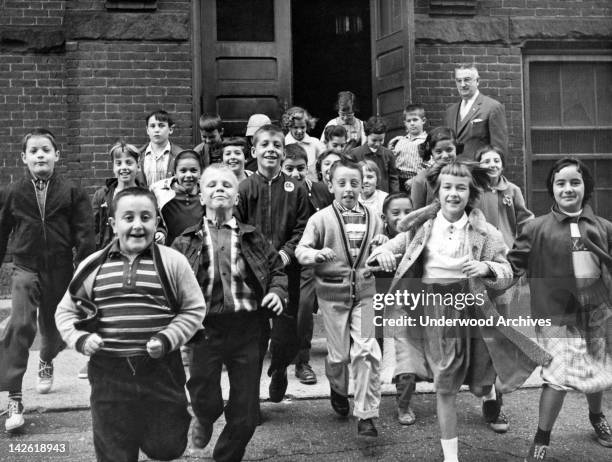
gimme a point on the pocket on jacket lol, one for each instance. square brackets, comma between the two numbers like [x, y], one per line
[479, 128]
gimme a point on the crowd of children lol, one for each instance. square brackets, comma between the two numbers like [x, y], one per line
[229, 248]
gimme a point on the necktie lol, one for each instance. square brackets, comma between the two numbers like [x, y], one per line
[40, 184]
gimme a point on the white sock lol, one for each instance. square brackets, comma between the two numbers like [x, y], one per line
[449, 448]
[491, 395]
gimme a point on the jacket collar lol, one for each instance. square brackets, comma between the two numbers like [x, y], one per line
[587, 214]
[414, 220]
[196, 230]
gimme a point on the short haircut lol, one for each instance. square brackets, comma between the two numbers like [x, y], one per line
[161, 116]
[219, 168]
[188, 153]
[375, 125]
[391, 197]
[272, 129]
[210, 122]
[296, 113]
[133, 192]
[587, 178]
[122, 147]
[332, 131]
[434, 137]
[488, 148]
[415, 107]
[346, 101]
[235, 141]
[467, 67]
[371, 166]
[294, 151]
[461, 168]
[344, 162]
[43, 132]
[321, 158]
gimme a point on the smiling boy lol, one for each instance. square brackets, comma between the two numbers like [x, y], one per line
[147, 303]
[336, 243]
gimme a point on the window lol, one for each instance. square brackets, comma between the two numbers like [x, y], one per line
[568, 111]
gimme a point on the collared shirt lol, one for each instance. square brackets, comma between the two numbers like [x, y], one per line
[466, 105]
[155, 164]
[446, 250]
[355, 225]
[407, 157]
[40, 188]
[230, 293]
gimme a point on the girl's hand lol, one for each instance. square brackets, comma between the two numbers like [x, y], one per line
[155, 348]
[272, 302]
[393, 142]
[325, 255]
[383, 259]
[379, 239]
[92, 343]
[160, 238]
[476, 269]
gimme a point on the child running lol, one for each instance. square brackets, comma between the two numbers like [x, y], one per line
[449, 252]
[566, 256]
[336, 243]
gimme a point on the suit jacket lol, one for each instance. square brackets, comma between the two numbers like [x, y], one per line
[385, 160]
[484, 124]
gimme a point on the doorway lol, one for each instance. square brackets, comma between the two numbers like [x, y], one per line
[331, 49]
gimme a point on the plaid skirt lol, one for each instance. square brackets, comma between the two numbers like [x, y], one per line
[582, 352]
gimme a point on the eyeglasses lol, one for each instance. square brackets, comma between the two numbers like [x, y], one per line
[346, 114]
[466, 80]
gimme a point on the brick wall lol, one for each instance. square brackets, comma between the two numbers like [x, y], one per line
[567, 8]
[31, 13]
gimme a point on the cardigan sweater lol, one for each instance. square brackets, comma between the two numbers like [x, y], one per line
[338, 280]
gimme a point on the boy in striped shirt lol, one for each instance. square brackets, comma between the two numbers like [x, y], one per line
[130, 306]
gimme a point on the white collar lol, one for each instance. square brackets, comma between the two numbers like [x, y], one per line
[445, 224]
[469, 102]
[166, 149]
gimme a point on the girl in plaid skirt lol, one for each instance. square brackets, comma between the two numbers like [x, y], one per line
[566, 255]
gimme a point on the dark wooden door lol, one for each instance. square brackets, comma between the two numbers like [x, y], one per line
[246, 59]
[392, 25]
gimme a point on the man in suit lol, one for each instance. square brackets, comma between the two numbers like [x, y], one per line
[477, 119]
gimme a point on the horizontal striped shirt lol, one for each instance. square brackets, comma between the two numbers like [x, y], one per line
[131, 303]
[355, 226]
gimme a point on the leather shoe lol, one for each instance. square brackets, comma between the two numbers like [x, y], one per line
[365, 427]
[278, 385]
[201, 434]
[339, 403]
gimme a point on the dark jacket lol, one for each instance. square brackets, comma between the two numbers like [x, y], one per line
[543, 250]
[319, 196]
[101, 204]
[263, 264]
[277, 208]
[46, 243]
[141, 180]
[385, 160]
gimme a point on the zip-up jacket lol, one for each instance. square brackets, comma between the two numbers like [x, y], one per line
[101, 204]
[46, 240]
[278, 208]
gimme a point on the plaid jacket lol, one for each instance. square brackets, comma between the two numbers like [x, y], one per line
[263, 270]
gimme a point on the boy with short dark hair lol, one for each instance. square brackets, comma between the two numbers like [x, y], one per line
[374, 150]
[336, 243]
[242, 279]
[335, 138]
[408, 157]
[157, 157]
[277, 205]
[49, 217]
[211, 131]
[130, 306]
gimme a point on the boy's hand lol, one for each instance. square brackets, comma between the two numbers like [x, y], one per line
[155, 348]
[379, 239]
[273, 302]
[383, 259]
[476, 269]
[408, 183]
[160, 238]
[393, 142]
[92, 343]
[325, 254]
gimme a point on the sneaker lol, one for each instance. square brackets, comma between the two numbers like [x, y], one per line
[305, 374]
[45, 377]
[278, 385]
[406, 416]
[537, 453]
[83, 372]
[339, 403]
[365, 427]
[602, 429]
[494, 416]
[201, 434]
[14, 420]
